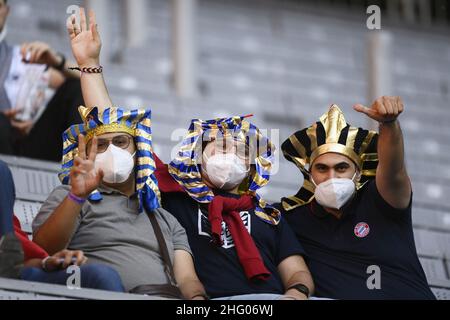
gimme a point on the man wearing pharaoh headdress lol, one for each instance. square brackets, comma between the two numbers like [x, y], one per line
[353, 212]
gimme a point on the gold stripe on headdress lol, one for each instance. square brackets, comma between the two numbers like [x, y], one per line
[333, 123]
[297, 202]
[109, 128]
[312, 134]
[336, 148]
[351, 137]
[367, 141]
[298, 146]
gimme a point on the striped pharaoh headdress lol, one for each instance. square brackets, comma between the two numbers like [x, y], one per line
[185, 167]
[137, 123]
[330, 134]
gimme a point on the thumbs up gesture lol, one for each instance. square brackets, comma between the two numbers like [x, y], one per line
[384, 109]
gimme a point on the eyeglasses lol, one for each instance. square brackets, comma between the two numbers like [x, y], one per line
[122, 141]
[229, 147]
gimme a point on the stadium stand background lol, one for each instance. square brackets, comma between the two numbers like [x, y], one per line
[284, 61]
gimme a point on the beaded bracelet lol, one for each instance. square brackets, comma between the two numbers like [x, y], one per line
[98, 69]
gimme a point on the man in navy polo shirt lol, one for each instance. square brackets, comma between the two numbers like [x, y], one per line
[353, 212]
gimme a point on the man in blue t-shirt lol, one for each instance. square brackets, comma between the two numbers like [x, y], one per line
[242, 247]
[353, 212]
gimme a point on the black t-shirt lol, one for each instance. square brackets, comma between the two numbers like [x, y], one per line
[218, 267]
[370, 233]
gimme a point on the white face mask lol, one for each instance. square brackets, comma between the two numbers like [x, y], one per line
[335, 192]
[225, 171]
[116, 163]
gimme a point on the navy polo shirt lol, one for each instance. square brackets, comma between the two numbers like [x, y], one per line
[370, 233]
[218, 267]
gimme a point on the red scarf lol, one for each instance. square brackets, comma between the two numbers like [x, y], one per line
[228, 210]
[165, 181]
[30, 249]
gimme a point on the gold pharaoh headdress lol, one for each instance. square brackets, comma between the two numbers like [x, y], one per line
[330, 134]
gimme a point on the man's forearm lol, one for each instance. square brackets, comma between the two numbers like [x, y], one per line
[93, 87]
[391, 149]
[392, 179]
[94, 91]
[192, 289]
[54, 235]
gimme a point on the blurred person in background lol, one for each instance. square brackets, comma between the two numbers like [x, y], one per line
[39, 97]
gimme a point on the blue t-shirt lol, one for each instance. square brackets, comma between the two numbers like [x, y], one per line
[218, 267]
[343, 254]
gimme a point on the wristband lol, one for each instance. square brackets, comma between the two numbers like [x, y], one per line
[76, 199]
[98, 69]
[300, 288]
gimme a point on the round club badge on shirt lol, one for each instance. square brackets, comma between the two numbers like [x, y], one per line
[361, 230]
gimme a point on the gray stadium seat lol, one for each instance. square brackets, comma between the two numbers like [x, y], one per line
[26, 290]
[435, 269]
[34, 179]
[441, 294]
[432, 243]
[26, 211]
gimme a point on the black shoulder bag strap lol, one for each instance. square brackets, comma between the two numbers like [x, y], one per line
[168, 268]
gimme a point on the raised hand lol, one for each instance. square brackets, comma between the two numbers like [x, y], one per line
[384, 109]
[84, 177]
[84, 40]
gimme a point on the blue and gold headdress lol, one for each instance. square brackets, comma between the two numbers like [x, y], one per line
[185, 168]
[137, 123]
